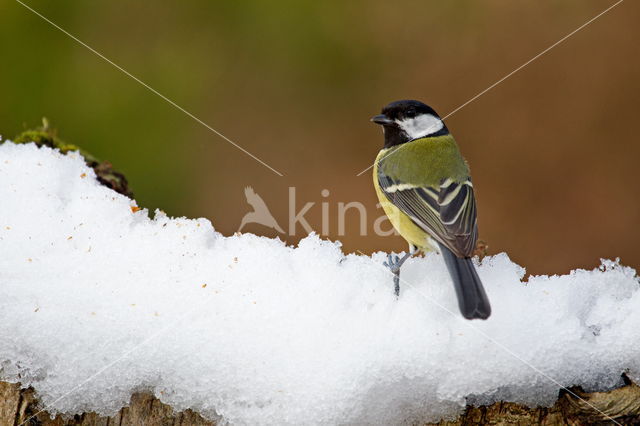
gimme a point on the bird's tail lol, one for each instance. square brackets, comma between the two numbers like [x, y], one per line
[472, 299]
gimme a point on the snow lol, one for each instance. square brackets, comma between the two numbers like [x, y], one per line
[98, 300]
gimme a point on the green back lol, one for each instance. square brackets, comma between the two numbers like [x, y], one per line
[426, 161]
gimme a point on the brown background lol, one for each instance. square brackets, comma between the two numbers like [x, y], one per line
[553, 149]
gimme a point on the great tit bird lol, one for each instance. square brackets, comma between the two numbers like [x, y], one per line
[424, 187]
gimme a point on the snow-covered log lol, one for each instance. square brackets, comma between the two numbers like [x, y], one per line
[99, 301]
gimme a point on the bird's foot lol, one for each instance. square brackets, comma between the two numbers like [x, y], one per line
[394, 263]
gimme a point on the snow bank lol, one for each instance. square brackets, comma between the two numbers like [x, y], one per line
[97, 300]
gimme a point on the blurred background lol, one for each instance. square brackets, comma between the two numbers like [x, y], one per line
[553, 149]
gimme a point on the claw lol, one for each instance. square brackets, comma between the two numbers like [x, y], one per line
[394, 263]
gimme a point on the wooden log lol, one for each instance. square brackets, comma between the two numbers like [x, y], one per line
[18, 406]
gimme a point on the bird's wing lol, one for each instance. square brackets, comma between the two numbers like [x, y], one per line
[446, 211]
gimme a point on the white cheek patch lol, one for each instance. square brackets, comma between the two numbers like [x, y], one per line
[421, 125]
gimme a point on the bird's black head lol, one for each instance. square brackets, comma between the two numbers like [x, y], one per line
[404, 121]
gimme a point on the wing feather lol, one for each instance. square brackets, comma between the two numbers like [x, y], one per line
[446, 212]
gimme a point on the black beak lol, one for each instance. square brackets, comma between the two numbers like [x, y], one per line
[383, 120]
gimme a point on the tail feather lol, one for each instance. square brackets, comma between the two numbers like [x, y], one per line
[472, 299]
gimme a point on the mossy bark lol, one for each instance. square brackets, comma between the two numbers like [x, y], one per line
[46, 136]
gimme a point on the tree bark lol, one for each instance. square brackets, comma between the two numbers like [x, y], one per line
[18, 406]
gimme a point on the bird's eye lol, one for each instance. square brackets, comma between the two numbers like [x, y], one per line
[411, 113]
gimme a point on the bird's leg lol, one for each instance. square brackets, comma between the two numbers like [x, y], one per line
[394, 263]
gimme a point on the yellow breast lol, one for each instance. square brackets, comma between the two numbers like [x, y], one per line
[400, 221]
